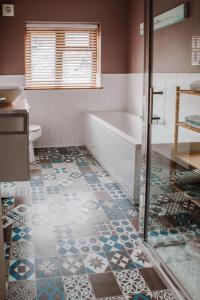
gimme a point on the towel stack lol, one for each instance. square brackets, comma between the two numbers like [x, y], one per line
[193, 121]
[195, 86]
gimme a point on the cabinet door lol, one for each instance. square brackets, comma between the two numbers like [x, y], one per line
[14, 147]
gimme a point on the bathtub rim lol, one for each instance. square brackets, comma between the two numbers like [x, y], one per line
[116, 130]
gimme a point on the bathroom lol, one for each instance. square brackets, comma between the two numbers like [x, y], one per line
[99, 163]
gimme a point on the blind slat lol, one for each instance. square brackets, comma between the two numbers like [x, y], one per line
[61, 57]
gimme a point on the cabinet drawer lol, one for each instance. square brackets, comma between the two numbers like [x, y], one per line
[13, 124]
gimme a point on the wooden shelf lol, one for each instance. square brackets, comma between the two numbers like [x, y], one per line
[192, 159]
[188, 92]
[184, 125]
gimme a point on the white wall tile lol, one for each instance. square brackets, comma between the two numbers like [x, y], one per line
[164, 105]
[60, 113]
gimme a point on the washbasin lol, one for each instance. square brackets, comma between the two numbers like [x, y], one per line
[9, 94]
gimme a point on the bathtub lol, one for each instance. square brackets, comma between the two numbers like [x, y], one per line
[114, 138]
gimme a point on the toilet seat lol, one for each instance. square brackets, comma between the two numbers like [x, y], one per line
[34, 132]
[33, 127]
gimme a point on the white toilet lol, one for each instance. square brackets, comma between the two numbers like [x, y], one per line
[35, 132]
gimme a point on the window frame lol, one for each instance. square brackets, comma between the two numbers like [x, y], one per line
[59, 55]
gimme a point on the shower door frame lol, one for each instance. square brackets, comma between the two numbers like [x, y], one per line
[171, 281]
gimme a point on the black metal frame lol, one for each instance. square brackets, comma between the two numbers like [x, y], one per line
[148, 93]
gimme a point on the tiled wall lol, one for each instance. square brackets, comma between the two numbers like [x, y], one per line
[60, 112]
[164, 105]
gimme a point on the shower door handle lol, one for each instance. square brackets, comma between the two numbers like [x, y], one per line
[151, 94]
[158, 93]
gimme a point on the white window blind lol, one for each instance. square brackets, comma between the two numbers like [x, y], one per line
[62, 56]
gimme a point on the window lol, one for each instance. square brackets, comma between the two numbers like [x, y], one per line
[62, 56]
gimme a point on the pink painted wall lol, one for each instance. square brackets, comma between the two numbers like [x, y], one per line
[122, 44]
[112, 14]
[172, 45]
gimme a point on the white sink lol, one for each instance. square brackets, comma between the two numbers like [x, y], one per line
[9, 94]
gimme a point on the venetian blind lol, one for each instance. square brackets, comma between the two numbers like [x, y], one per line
[62, 56]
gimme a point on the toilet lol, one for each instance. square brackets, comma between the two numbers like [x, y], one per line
[34, 133]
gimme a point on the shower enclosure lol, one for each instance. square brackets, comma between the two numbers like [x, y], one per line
[170, 177]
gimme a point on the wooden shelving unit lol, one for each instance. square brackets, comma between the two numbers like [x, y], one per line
[192, 159]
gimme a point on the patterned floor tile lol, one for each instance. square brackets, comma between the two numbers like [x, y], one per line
[120, 260]
[97, 216]
[36, 181]
[152, 279]
[51, 289]
[21, 234]
[135, 223]
[140, 296]
[47, 267]
[43, 232]
[115, 214]
[21, 250]
[78, 288]
[139, 258]
[45, 247]
[112, 298]
[124, 203]
[8, 189]
[123, 227]
[7, 220]
[41, 208]
[38, 194]
[104, 228]
[71, 265]
[7, 262]
[7, 233]
[108, 204]
[111, 243]
[129, 240]
[164, 294]
[53, 190]
[22, 290]
[131, 212]
[67, 247]
[100, 217]
[68, 197]
[131, 282]
[43, 219]
[89, 244]
[7, 201]
[7, 210]
[105, 285]
[21, 269]
[84, 231]
[22, 220]
[97, 187]
[91, 178]
[7, 250]
[22, 184]
[96, 262]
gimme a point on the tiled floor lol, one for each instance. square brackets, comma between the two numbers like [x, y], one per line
[70, 234]
[175, 220]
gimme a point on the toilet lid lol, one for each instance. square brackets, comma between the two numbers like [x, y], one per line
[33, 127]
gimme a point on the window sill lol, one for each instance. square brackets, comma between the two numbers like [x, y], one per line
[62, 88]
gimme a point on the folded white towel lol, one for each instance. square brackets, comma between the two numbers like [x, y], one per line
[195, 86]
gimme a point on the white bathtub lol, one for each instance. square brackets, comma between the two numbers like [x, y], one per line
[114, 138]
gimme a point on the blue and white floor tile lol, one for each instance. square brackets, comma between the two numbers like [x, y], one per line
[69, 233]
